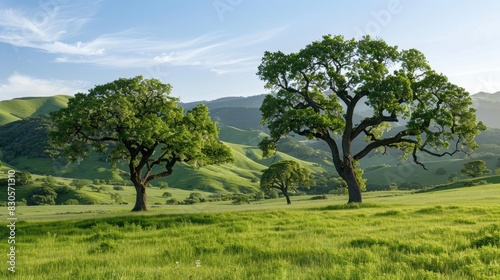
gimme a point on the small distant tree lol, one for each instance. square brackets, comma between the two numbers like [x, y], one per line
[393, 187]
[497, 171]
[116, 197]
[163, 185]
[79, 183]
[475, 168]
[286, 175]
[71, 201]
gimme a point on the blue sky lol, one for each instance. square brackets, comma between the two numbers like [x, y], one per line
[211, 48]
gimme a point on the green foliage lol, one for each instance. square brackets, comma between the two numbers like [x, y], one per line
[172, 201]
[297, 149]
[116, 197]
[23, 178]
[30, 139]
[326, 182]
[85, 199]
[138, 121]
[239, 199]
[487, 236]
[162, 185]
[475, 168]
[61, 190]
[318, 89]
[319, 197]
[42, 196]
[286, 176]
[167, 194]
[79, 183]
[118, 188]
[49, 181]
[71, 201]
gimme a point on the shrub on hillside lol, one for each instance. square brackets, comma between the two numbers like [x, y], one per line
[116, 197]
[118, 188]
[85, 199]
[71, 201]
[172, 201]
[62, 189]
[49, 181]
[476, 183]
[163, 185]
[259, 195]
[393, 187]
[42, 196]
[167, 194]
[319, 197]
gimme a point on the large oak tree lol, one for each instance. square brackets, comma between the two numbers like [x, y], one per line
[136, 120]
[318, 89]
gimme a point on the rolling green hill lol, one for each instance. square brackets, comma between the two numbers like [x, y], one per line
[21, 108]
[23, 142]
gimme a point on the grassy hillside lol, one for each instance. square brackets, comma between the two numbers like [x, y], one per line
[417, 177]
[238, 119]
[20, 108]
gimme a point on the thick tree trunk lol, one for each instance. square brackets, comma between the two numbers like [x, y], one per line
[353, 186]
[354, 190]
[287, 198]
[140, 198]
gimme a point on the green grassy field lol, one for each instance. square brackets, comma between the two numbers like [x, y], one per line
[446, 234]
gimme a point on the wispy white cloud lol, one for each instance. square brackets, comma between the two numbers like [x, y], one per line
[126, 49]
[46, 29]
[23, 85]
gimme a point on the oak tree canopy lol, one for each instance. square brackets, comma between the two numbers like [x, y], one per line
[317, 91]
[137, 120]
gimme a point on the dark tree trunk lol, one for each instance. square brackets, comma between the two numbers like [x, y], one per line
[353, 186]
[354, 190]
[287, 198]
[140, 198]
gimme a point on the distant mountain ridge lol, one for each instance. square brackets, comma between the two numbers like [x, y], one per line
[241, 112]
[484, 95]
[238, 119]
[488, 108]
